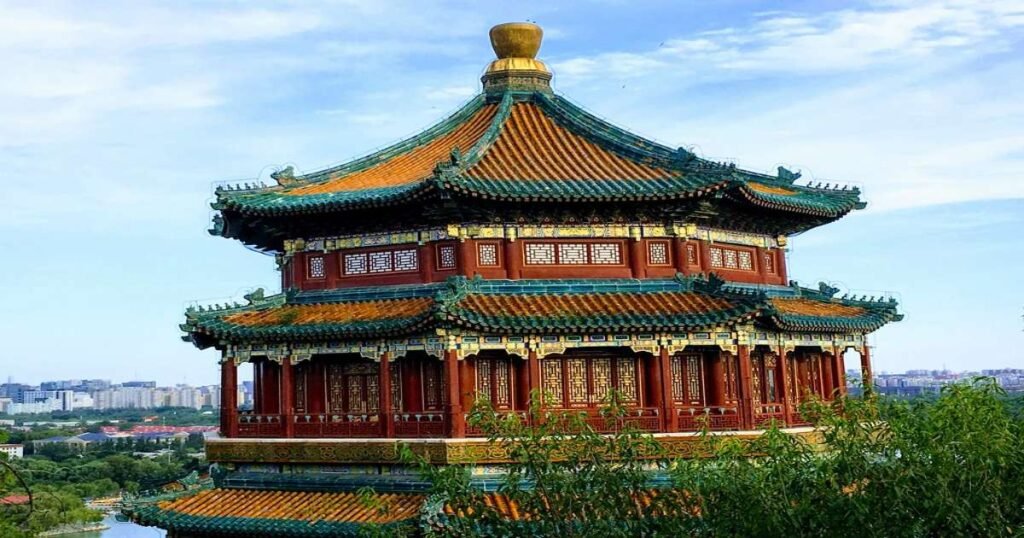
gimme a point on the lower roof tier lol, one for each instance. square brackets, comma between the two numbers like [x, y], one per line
[534, 307]
[242, 512]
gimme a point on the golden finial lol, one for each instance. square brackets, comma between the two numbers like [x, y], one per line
[516, 40]
[517, 68]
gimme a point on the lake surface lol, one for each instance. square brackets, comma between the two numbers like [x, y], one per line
[122, 530]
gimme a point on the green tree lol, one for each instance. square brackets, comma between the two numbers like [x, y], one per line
[952, 465]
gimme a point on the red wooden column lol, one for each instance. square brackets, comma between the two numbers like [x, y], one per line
[679, 256]
[746, 387]
[533, 366]
[287, 405]
[456, 421]
[787, 402]
[668, 403]
[865, 368]
[717, 386]
[840, 369]
[467, 257]
[637, 258]
[513, 259]
[827, 380]
[387, 413]
[229, 398]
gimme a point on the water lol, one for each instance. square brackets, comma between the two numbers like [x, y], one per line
[122, 530]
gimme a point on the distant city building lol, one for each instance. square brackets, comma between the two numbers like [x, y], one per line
[12, 451]
[139, 384]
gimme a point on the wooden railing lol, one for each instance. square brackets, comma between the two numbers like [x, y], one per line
[715, 418]
[765, 414]
[475, 431]
[340, 425]
[645, 419]
[254, 425]
[420, 424]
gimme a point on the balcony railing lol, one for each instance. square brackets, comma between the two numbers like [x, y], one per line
[340, 425]
[420, 424]
[715, 418]
[256, 425]
[765, 414]
[645, 419]
[475, 431]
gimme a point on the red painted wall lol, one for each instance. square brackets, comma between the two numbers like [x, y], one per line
[636, 263]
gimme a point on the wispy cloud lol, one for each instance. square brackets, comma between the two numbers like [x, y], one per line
[909, 100]
[837, 41]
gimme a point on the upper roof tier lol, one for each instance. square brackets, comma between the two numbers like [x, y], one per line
[517, 142]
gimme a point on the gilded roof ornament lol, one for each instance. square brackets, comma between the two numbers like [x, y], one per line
[517, 68]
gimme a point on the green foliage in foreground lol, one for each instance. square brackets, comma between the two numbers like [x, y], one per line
[953, 466]
[60, 479]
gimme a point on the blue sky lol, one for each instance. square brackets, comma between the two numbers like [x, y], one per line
[118, 118]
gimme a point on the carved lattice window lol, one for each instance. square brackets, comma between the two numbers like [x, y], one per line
[746, 260]
[317, 267]
[691, 254]
[731, 258]
[573, 253]
[540, 254]
[769, 263]
[552, 382]
[446, 257]
[487, 255]
[590, 380]
[606, 253]
[657, 253]
[493, 381]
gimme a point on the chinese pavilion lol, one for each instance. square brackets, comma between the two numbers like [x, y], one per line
[522, 244]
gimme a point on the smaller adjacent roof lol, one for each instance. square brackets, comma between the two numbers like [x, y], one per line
[831, 315]
[533, 307]
[280, 513]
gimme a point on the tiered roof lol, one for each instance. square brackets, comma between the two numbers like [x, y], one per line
[518, 142]
[529, 146]
[533, 307]
[240, 512]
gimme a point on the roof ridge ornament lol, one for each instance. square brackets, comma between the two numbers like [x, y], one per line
[517, 68]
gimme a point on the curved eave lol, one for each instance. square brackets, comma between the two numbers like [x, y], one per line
[624, 190]
[875, 315]
[276, 204]
[603, 323]
[817, 203]
[221, 330]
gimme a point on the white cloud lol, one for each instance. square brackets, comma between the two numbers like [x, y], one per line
[844, 40]
[912, 101]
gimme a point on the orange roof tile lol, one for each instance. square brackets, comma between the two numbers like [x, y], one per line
[298, 505]
[578, 305]
[669, 501]
[532, 146]
[769, 189]
[408, 167]
[333, 313]
[807, 307]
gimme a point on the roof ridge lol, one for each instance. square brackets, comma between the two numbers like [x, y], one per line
[398, 148]
[608, 135]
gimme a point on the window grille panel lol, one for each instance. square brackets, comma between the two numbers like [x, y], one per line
[606, 253]
[355, 264]
[540, 254]
[657, 253]
[446, 257]
[317, 268]
[716, 257]
[380, 262]
[572, 253]
[487, 255]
